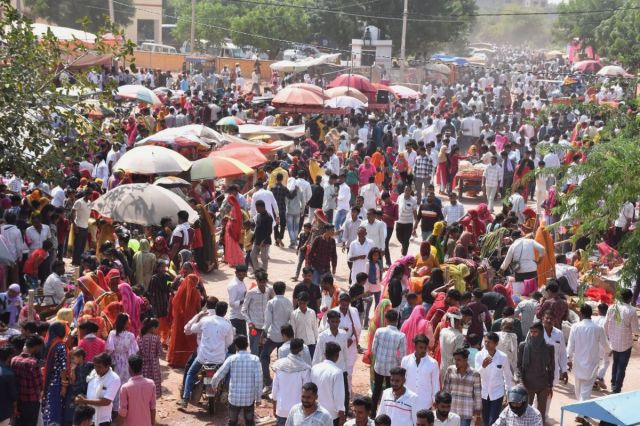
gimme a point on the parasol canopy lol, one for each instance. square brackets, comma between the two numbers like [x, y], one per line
[344, 102]
[142, 204]
[230, 120]
[65, 34]
[216, 166]
[587, 67]
[150, 159]
[613, 71]
[249, 156]
[191, 135]
[310, 87]
[354, 80]
[94, 108]
[346, 91]
[404, 92]
[297, 96]
[137, 92]
[171, 182]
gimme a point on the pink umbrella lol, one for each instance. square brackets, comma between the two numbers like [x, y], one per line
[354, 80]
[297, 96]
[310, 87]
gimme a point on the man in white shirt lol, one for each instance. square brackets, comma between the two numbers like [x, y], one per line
[236, 289]
[334, 162]
[554, 337]
[621, 326]
[518, 204]
[15, 244]
[624, 220]
[398, 402]
[454, 211]
[358, 252]
[403, 138]
[492, 181]
[423, 374]
[586, 340]
[305, 323]
[376, 229]
[53, 289]
[215, 335]
[37, 233]
[496, 377]
[343, 205]
[443, 414]
[101, 170]
[80, 216]
[57, 194]
[290, 374]
[269, 200]
[103, 385]
[329, 378]
[371, 193]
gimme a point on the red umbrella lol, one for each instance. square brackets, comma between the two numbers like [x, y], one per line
[354, 80]
[297, 96]
[252, 157]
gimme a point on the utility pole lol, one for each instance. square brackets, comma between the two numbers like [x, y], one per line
[403, 43]
[193, 27]
[112, 13]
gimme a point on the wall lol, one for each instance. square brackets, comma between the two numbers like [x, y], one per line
[246, 65]
[146, 9]
[161, 61]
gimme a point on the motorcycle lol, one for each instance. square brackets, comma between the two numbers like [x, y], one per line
[203, 389]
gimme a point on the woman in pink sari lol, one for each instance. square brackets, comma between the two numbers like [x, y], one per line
[132, 305]
[407, 262]
[233, 254]
[417, 324]
[366, 170]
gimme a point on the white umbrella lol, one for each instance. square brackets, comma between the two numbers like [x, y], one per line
[613, 71]
[142, 204]
[64, 33]
[404, 92]
[149, 160]
[344, 102]
[189, 135]
[171, 181]
[137, 92]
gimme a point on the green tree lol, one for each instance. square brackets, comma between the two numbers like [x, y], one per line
[68, 13]
[582, 25]
[618, 37]
[30, 103]
[212, 20]
[532, 30]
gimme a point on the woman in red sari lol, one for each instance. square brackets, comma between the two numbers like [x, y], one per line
[520, 178]
[233, 254]
[132, 305]
[185, 304]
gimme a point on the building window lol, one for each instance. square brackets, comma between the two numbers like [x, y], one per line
[146, 30]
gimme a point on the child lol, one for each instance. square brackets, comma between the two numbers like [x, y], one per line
[301, 250]
[158, 294]
[75, 383]
[247, 240]
[475, 345]
[151, 352]
[89, 342]
[358, 295]
[374, 275]
[33, 262]
[412, 302]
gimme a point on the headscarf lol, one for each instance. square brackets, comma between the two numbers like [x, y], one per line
[55, 335]
[160, 247]
[425, 249]
[404, 261]
[185, 304]
[484, 214]
[414, 325]
[113, 273]
[112, 311]
[438, 228]
[89, 287]
[131, 303]
[547, 264]
[377, 321]
[506, 292]
[472, 224]
[235, 228]
[534, 348]
[13, 304]
[458, 273]
[144, 262]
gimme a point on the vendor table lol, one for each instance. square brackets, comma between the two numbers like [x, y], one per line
[468, 182]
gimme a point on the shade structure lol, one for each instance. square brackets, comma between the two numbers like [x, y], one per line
[94, 108]
[310, 87]
[65, 34]
[149, 160]
[230, 121]
[265, 148]
[171, 182]
[353, 80]
[252, 157]
[216, 166]
[404, 92]
[587, 67]
[345, 91]
[438, 68]
[344, 102]
[613, 71]
[618, 409]
[142, 204]
[191, 135]
[298, 97]
[137, 92]
[112, 39]
[287, 131]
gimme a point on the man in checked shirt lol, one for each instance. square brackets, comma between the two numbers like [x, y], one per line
[30, 381]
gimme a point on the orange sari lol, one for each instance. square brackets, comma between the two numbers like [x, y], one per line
[185, 305]
[377, 159]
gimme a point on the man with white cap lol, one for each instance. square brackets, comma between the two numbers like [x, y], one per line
[519, 412]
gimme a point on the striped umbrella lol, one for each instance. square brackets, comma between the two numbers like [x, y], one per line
[213, 167]
[137, 92]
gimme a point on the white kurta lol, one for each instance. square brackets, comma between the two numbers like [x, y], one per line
[586, 339]
[356, 249]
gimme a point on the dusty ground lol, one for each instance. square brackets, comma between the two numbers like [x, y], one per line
[281, 267]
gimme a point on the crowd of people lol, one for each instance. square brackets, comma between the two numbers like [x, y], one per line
[480, 323]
